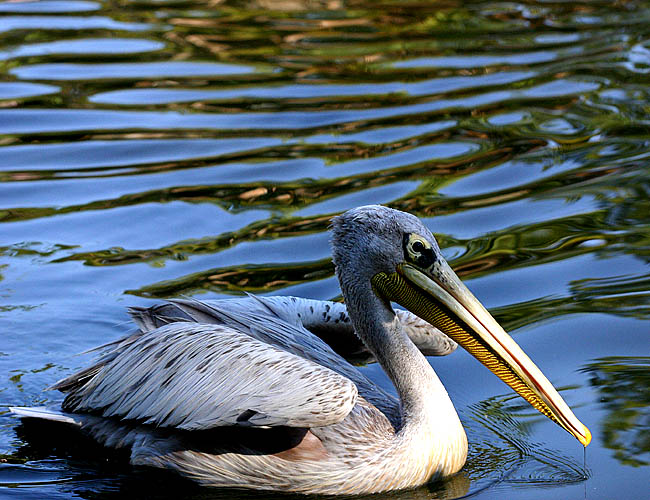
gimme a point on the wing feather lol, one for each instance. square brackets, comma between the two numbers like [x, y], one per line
[328, 320]
[198, 376]
[275, 321]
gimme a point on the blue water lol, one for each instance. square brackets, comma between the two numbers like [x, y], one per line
[154, 149]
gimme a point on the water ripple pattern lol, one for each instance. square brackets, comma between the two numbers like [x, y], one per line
[157, 148]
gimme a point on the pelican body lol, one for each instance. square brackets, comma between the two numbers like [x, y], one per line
[247, 396]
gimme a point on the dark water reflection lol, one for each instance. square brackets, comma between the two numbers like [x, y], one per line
[624, 385]
[157, 148]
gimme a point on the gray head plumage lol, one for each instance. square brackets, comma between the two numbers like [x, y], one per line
[370, 239]
[366, 241]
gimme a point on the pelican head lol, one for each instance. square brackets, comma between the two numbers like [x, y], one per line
[396, 256]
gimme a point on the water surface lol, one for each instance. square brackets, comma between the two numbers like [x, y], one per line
[152, 149]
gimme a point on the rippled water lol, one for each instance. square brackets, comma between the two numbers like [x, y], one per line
[163, 147]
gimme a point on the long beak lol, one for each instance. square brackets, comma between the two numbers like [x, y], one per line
[438, 296]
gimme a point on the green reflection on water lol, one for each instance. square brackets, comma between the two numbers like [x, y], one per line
[624, 387]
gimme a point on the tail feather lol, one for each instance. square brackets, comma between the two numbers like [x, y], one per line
[145, 444]
[45, 413]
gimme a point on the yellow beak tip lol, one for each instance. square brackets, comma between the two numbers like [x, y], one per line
[585, 439]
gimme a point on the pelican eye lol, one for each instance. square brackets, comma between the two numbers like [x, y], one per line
[418, 250]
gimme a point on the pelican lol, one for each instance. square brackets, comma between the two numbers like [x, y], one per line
[248, 397]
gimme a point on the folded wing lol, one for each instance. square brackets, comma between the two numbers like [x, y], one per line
[198, 376]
